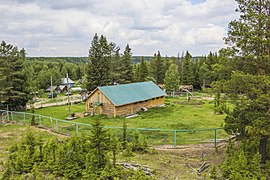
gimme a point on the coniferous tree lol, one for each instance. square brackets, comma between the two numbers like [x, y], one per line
[248, 52]
[99, 63]
[12, 77]
[160, 74]
[97, 157]
[115, 70]
[187, 76]
[143, 71]
[126, 70]
[152, 68]
[249, 37]
[167, 63]
[31, 82]
[137, 70]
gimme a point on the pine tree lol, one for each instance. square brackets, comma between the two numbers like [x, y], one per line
[97, 158]
[124, 142]
[160, 73]
[143, 71]
[152, 67]
[115, 68]
[114, 147]
[249, 37]
[99, 63]
[187, 76]
[12, 78]
[126, 68]
[248, 55]
[137, 69]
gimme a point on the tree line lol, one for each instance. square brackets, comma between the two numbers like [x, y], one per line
[108, 66]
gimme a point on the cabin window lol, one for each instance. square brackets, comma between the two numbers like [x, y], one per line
[98, 97]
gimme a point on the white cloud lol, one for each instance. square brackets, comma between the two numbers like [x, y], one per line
[66, 27]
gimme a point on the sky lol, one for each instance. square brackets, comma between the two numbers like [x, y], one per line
[67, 27]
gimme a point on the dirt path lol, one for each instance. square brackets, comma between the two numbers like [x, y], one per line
[189, 146]
[62, 101]
[50, 131]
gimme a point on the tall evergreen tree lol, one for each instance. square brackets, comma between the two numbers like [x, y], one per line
[152, 67]
[126, 70]
[249, 37]
[143, 71]
[160, 74]
[97, 157]
[115, 69]
[99, 63]
[13, 90]
[187, 76]
[248, 52]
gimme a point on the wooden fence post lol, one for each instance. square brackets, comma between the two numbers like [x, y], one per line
[215, 137]
[174, 145]
[56, 125]
[39, 120]
[77, 129]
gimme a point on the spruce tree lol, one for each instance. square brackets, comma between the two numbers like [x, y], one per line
[187, 70]
[160, 73]
[115, 68]
[97, 158]
[143, 71]
[99, 63]
[126, 68]
[13, 90]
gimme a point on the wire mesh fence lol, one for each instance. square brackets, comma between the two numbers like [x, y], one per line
[151, 136]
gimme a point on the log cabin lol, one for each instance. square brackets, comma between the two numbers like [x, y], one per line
[125, 99]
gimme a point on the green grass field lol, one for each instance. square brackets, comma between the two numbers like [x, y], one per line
[178, 114]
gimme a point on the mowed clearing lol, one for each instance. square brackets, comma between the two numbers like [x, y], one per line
[178, 114]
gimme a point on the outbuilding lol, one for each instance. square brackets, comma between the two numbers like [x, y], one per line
[125, 99]
[67, 82]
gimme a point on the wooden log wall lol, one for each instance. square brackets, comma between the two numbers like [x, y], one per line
[136, 107]
[109, 109]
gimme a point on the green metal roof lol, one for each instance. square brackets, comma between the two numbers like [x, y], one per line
[131, 93]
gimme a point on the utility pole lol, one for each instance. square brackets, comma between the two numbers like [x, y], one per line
[68, 94]
[51, 88]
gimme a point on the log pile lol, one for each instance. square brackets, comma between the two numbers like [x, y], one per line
[136, 167]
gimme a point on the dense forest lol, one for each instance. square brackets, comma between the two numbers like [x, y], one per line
[239, 75]
[196, 71]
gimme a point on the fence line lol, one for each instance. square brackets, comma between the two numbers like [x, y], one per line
[59, 126]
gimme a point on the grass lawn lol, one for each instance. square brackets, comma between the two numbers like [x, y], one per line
[178, 114]
[60, 112]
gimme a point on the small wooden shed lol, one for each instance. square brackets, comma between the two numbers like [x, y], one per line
[119, 100]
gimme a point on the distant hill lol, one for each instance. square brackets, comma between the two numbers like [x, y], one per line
[75, 60]
[80, 60]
